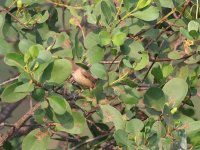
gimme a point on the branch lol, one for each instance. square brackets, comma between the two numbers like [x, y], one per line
[110, 62]
[9, 80]
[91, 140]
[7, 110]
[18, 124]
[184, 8]
[15, 18]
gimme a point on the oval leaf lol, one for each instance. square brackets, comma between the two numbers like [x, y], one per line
[58, 104]
[175, 90]
[143, 62]
[155, 98]
[95, 54]
[119, 38]
[10, 96]
[111, 114]
[58, 71]
[99, 71]
[148, 14]
[36, 140]
[79, 124]
[14, 59]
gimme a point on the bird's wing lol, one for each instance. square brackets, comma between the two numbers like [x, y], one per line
[88, 75]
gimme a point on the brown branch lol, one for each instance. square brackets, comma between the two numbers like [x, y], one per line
[184, 8]
[18, 124]
[149, 69]
[15, 18]
[9, 80]
[65, 136]
[7, 110]
[113, 61]
[91, 140]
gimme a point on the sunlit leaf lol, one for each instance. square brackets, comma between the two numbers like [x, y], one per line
[36, 140]
[111, 114]
[176, 89]
[10, 96]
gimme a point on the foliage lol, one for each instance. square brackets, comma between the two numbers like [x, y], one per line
[144, 54]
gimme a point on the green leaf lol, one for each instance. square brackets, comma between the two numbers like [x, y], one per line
[185, 33]
[167, 69]
[38, 94]
[119, 38]
[129, 98]
[129, 3]
[175, 55]
[99, 71]
[91, 40]
[134, 126]
[44, 57]
[192, 127]
[57, 40]
[132, 48]
[24, 45]
[184, 72]
[26, 87]
[35, 50]
[39, 116]
[57, 71]
[10, 96]
[105, 37]
[43, 18]
[157, 73]
[14, 59]
[121, 137]
[95, 54]
[142, 3]
[167, 3]
[65, 121]
[155, 98]
[1, 21]
[176, 89]
[78, 125]
[36, 140]
[111, 114]
[193, 26]
[149, 14]
[106, 11]
[58, 104]
[127, 63]
[143, 62]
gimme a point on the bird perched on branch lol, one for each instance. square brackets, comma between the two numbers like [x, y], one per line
[82, 76]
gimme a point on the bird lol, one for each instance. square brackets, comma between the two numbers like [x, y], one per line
[82, 76]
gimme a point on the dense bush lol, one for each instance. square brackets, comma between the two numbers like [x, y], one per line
[102, 74]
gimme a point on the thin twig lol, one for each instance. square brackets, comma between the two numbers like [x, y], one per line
[113, 61]
[15, 18]
[149, 69]
[9, 80]
[110, 62]
[91, 140]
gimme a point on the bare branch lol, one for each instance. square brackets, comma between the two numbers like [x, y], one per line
[91, 140]
[9, 80]
[18, 124]
[7, 110]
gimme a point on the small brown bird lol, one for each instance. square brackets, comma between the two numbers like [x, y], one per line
[82, 76]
